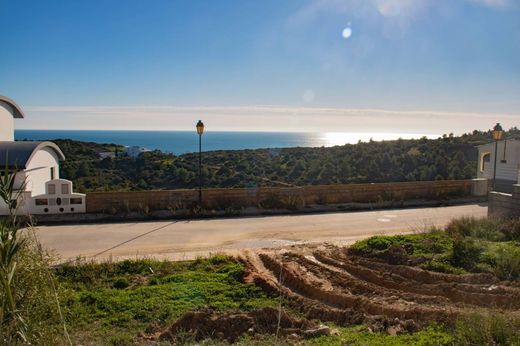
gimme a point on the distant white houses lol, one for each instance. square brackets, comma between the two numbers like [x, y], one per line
[37, 168]
[135, 151]
[508, 163]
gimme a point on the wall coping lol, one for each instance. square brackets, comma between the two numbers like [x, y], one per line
[500, 193]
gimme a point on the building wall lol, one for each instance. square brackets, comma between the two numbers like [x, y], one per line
[24, 205]
[38, 171]
[113, 202]
[507, 171]
[6, 123]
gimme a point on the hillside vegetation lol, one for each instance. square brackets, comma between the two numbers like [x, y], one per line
[448, 157]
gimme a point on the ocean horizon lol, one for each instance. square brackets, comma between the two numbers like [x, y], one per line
[182, 142]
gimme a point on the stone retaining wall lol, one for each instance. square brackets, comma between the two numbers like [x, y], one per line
[277, 198]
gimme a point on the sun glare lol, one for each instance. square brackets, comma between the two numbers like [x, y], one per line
[341, 138]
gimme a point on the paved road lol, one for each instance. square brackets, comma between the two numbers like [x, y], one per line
[188, 239]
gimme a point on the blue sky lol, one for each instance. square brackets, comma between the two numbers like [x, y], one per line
[427, 66]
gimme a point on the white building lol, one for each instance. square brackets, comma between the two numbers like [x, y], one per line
[37, 168]
[135, 151]
[508, 163]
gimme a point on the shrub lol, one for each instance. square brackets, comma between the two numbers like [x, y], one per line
[465, 254]
[507, 262]
[487, 329]
[379, 243]
[488, 229]
[511, 229]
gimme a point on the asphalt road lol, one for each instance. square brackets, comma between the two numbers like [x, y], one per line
[189, 239]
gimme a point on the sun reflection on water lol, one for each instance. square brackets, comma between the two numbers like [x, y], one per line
[341, 138]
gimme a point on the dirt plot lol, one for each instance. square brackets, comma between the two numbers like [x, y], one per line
[325, 283]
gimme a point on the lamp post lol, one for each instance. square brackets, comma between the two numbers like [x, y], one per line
[200, 130]
[497, 134]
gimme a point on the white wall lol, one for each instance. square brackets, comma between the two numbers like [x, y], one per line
[24, 205]
[38, 171]
[6, 122]
[507, 170]
[59, 201]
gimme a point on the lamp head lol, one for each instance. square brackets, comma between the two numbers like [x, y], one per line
[200, 127]
[497, 132]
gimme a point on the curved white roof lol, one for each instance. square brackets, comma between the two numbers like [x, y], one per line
[18, 154]
[17, 111]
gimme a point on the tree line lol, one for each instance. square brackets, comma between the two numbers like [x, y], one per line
[448, 157]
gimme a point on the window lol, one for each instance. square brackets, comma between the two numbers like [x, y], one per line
[52, 189]
[504, 156]
[52, 173]
[42, 201]
[485, 158]
[64, 189]
[76, 201]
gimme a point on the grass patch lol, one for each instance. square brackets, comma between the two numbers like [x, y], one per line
[431, 250]
[467, 245]
[359, 336]
[119, 300]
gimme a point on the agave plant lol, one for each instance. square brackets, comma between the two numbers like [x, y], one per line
[11, 244]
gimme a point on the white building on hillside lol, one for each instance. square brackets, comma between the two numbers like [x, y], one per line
[508, 163]
[37, 167]
[135, 151]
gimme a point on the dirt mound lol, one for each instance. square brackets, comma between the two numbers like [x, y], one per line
[328, 284]
[230, 326]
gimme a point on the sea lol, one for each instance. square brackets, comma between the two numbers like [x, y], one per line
[181, 142]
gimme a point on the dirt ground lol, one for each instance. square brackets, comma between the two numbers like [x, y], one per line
[325, 283]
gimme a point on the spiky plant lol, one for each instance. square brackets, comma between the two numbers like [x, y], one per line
[11, 244]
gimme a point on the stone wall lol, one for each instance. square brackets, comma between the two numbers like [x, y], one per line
[274, 197]
[504, 204]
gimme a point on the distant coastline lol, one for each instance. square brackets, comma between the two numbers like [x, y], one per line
[181, 142]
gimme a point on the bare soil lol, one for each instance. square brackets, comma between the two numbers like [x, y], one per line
[230, 326]
[326, 284]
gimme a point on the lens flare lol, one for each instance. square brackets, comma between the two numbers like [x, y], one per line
[347, 32]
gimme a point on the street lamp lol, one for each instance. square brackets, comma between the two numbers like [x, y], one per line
[200, 130]
[497, 134]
